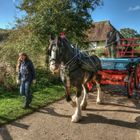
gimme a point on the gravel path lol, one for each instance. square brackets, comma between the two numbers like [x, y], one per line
[117, 119]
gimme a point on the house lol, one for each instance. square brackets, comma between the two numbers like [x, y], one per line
[97, 34]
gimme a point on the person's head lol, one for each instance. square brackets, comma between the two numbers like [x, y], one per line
[23, 56]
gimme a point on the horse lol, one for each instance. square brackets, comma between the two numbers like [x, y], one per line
[76, 69]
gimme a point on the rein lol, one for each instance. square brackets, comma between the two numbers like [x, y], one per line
[78, 54]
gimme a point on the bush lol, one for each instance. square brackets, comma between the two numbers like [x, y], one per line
[45, 78]
[7, 76]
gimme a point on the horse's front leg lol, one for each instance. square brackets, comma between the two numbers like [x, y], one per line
[77, 115]
[68, 97]
[84, 100]
[67, 86]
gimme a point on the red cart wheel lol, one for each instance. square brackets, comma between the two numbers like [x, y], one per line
[130, 86]
[137, 76]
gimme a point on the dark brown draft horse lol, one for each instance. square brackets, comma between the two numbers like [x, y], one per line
[76, 69]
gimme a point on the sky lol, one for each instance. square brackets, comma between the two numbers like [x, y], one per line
[121, 13]
[8, 13]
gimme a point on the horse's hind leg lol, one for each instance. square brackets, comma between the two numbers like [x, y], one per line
[77, 115]
[99, 93]
[84, 100]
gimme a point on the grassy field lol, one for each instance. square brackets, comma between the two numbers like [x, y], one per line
[11, 102]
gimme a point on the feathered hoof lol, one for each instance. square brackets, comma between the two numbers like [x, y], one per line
[99, 102]
[84, 106]
[76, 118]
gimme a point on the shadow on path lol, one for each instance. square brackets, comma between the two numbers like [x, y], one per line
[52, 112]
[5, 134]
[94, 118]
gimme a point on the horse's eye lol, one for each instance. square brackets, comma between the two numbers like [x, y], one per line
[49, 52]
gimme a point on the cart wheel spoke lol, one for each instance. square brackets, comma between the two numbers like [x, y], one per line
[137, 76]
[130, 86]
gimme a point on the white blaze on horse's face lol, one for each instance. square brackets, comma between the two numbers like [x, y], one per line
[53, 56]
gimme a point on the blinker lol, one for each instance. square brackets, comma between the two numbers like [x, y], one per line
[62, 35]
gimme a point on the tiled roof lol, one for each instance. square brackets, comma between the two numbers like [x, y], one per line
[99, 30]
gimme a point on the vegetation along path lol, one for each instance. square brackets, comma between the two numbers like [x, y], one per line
[117, 119]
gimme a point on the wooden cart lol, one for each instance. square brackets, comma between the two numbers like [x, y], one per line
[125, 69]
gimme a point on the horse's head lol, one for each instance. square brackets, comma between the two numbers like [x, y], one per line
[55, 52]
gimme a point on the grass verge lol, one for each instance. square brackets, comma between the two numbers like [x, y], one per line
[11, 103]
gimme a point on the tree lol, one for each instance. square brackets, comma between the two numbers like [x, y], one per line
[128, 33]
[54, 16]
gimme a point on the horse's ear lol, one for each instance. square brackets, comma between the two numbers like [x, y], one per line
[52, 36]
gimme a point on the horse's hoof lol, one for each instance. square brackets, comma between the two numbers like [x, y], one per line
[83, 107]
[99, 102]
[75, 118]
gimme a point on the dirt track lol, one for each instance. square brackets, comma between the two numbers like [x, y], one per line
[117, 119]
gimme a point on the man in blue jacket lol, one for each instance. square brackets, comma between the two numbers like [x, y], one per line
[26, 76]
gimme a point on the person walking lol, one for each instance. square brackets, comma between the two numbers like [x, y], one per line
[26, 76]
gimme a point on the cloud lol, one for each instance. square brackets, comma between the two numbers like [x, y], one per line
[135, 8]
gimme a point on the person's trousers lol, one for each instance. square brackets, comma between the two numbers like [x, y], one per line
[25, 91]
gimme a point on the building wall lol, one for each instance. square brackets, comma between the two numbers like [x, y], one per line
[97, 48]
[97, 44]
[101, 44]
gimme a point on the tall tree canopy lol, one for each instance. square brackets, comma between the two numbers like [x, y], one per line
[128, 33]
[54, 16]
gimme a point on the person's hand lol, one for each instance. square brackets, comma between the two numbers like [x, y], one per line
[18, 81]
[34, 81]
